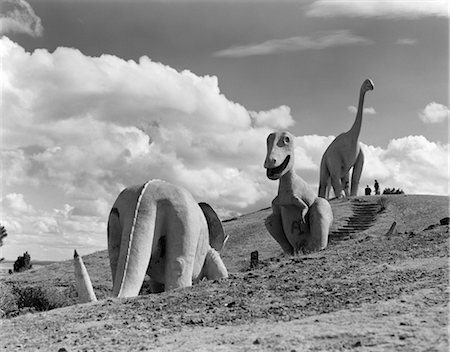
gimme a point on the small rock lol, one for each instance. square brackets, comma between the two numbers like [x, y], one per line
[62, 349]
[254, 261]
[357, 344]
[444, 221]
[230, 304]
[392, 230]
[256, 342]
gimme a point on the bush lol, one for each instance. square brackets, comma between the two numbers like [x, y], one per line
[393, 191]
[38, 298]
[3, 234]
[22, 263]
[8, 300]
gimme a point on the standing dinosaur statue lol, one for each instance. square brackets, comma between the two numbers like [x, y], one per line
[343, 154]
[300, 221]
[158, 229]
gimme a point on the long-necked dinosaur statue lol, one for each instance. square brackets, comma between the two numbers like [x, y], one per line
[300, 221]
[158, 229]
[343, 154]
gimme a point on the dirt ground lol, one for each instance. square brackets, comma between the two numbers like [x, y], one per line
[367, 292]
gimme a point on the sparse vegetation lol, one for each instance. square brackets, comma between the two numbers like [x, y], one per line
[17, 298]
[23, 263]
[393, 191]
[8, 301]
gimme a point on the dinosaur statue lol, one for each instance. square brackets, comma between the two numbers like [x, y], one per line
[158, 229]
[300, 221]
[83, 283]
[343, 154]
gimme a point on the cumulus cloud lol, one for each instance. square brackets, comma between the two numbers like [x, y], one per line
[434, 113]
[278, 119]
[412, 163]
[19, 16]
[316, 42]
[406, 41]
[379, 8]
[369, 110]
[15, 203]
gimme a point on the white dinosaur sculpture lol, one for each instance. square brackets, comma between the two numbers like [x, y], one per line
[343, 154]
[300, 220]
[158, 229]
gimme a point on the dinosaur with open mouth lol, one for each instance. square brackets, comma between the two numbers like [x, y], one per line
[300, 221]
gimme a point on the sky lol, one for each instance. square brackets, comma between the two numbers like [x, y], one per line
[103, 94]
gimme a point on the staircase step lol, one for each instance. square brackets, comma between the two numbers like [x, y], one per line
[352, 226]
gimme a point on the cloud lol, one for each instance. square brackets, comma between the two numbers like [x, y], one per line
[18, 16]
[278, 119]
[379, 8]
[317, 42]
[406, 41]
[369, 110]
[412, 163]
[15, 203]
[434, 113]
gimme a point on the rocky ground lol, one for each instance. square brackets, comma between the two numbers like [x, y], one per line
[368, 291]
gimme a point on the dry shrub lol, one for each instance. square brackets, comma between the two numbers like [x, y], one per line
[8, 300]
[16, 299]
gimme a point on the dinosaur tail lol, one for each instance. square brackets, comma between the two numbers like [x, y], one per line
[136, 247]
[217, 237]
[83, 283]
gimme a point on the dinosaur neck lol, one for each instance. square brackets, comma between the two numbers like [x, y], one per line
[287, 181]
[356, 128]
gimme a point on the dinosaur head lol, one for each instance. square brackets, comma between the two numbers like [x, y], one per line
[280, 154]
[367, 85]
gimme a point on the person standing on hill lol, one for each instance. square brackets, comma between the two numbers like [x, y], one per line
[377, 187]
[367, 191]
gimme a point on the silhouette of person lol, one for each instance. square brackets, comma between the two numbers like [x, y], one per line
[368, 190]
[377, 187]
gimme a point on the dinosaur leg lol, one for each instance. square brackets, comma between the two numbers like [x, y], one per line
[356, 174]
[183, 234]
[275, 228]
[320, 220]
[214, 268]
[136, 247]
[156, 286]
[324, 179]
[114, 238]
[345, 182]
[337, 186]
[327, 194]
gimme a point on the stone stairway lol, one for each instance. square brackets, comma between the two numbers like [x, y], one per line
[365, 213]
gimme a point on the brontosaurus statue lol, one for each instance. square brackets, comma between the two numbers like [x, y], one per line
[300, 221]
[158, 229]
[343, 154]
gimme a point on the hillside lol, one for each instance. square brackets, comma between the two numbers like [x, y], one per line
[366, 291]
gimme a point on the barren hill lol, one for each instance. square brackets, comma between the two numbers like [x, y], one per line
[367, 291]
